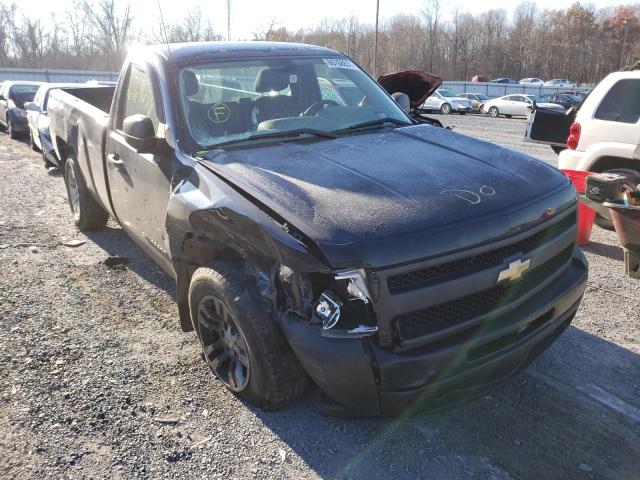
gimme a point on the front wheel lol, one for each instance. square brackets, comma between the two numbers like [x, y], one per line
[494, 112]
[87, 213]
[240, 339]
[445, 109]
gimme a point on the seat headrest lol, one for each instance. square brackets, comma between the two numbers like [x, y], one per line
[190, 83]
[270, 80]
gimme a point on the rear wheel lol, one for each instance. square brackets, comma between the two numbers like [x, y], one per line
[34, 147]
[87, 213]
[445, 109]
[494, 112]
[11, 131]
[633, 178]
[240, 340]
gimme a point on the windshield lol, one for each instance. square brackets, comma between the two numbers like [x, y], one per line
[482, 97]
[230, 101]
[446, 93]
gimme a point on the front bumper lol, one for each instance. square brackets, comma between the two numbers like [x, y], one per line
[364, 377]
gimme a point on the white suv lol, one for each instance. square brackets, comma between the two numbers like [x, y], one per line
[605, 136]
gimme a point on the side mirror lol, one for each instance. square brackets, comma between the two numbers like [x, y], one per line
[140, 133]
[31, 106]
[402, 99]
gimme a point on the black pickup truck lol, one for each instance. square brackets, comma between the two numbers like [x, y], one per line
[317, 231]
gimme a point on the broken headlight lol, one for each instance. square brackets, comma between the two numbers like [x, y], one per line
[344, 309]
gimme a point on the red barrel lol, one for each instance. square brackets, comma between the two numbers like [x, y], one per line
[586, 215]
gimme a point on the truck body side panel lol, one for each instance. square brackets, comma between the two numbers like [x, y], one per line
[79, 128]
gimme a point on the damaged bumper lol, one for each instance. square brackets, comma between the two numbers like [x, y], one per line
[362, 376]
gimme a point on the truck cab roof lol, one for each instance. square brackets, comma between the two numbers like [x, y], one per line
[180, 53]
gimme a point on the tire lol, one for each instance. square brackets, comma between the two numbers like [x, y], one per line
[494, 112]
[47, 163]
[634, 179]
[13, 135]
[241, 341]
[557, 149]
[87, 213]
[34, 147]
[445, 109]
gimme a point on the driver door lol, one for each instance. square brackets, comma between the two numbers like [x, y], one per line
[140, 183]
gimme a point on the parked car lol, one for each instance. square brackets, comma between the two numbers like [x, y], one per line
[564, 99]
[38, 122]
[532, 81]
[479, 79]
[416, 85]
[605, 136]
[515, 104]
[310, 239]
[477, 100]
[602, 133]
[560, 82]
[446, 102]
[13, 96]
[504, 80]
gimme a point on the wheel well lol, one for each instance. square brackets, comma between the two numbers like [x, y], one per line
[610, 163]
[63, 148]
[197, 252]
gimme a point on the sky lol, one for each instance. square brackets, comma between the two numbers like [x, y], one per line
[248, 16]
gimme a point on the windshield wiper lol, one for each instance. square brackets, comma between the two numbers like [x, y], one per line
[284, 134]
[374, 123]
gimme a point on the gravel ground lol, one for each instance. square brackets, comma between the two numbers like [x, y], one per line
[97, 381]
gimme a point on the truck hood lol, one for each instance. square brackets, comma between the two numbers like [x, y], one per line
[390, 196]
[418, 85]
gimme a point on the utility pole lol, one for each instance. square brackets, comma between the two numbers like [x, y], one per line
[228, 20]
[624, 42]
[375, 42]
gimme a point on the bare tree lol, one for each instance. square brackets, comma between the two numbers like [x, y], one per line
[110, 31]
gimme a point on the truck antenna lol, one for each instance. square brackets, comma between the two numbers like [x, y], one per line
[164, 29]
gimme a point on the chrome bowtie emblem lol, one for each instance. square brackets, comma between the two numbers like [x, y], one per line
[515, 270]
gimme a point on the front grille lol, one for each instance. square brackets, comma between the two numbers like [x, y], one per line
[422, 278]
[436, 318]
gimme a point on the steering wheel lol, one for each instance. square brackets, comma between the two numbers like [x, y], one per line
[319, 105]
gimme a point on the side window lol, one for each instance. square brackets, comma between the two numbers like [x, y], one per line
[621, 103]
[138, 98]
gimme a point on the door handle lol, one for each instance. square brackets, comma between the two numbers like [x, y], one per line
[115, 159]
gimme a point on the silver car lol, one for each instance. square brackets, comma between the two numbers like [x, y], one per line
[446, 102]
[516, 105]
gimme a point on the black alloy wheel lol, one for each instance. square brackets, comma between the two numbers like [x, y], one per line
[223, 343]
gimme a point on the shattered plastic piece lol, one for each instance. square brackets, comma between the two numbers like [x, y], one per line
[357, 286]
[74, 243]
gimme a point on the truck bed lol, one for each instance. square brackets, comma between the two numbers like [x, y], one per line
[78, 120]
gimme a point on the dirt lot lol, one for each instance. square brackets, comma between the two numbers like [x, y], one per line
[96, 379]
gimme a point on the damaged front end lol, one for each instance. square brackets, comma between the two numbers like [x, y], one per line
[337, 305]
[329, 322]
